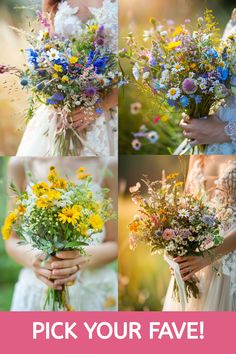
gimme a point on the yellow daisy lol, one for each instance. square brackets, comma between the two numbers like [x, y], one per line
[70, 214]
[96, 222]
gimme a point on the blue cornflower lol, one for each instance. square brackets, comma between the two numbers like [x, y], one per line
[198, 99]
[99, 110]
[223, 73]
[100, 64]
[58, 96]
[212, 53]
[184, 101]
[171, 103]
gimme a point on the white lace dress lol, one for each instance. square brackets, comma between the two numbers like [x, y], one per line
[94, 290]
[226, 113]
[218, 281]
[101, 138]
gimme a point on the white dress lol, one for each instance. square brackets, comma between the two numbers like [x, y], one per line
[227, 112]
[217, 284]
[94, 290]
[101, 137]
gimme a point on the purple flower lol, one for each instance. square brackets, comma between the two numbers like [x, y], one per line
[185, 233]
[3, 69]
[136, 144]
[90, 91]
[189, 86]
[99, 111]
[58, 96]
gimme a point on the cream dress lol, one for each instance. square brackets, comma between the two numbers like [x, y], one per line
[101, 138]
[94, 290]
[217, 282]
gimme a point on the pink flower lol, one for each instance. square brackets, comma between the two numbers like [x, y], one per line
[168, 234]
[156, 119]
[155, 220]
[3, 69]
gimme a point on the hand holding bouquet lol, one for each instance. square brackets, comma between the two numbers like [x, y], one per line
[56, 216]
[68, 74]
[185, 69]
[174, 222]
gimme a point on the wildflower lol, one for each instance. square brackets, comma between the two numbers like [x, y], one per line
[73, 60]
[43, 202]
[91, 91]
[136, 144]
[65, 79]
[172, 175]
[53, 54]
[82, 176]
[156, 120]
[135, 108]
[133, 226]
[60, 183]
[173, 93]
[55, 76]
[178, 30]
[58, 68]
[189, 86]
[173, 45]
[168, 234]
[135, 188]
[40, 189]
[6, 229]
[70, 214]
[96, 222]
[82, 229]
[3, 69]
[183, 213]
[152, 136]
[164, 118]
[177, 68]
[184, 101]
[53, 195]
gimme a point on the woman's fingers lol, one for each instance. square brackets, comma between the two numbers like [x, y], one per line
[65, 271]
[190, 275]
[65, 280]
[65, 264]
[49, 283]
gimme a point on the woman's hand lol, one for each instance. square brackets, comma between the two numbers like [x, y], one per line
[204, 131]
[66, 265]
[190, 265]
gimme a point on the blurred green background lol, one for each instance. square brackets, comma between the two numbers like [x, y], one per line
[134, 17]
[8, 269]
[143, 278]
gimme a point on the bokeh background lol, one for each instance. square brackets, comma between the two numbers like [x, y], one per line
[13, 100]
[8, 269]
[143, 278]
[134, 17]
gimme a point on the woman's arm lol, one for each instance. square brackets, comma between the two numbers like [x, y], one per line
[189, 266]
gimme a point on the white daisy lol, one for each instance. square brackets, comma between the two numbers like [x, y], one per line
[53, 54]
[183, 213]
[177, 68]
[147, 34]
[174, 93]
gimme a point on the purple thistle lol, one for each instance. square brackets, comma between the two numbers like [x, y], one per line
[189, 86]
[90, 91]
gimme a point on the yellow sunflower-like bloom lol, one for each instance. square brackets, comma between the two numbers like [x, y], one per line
[70, 214]
[83, 175]
[93, 28]
[60, 183]
[40, 188]
[6, 229]
[96, 222]
[83, 229]
[43, 202]
[64, 79]
[53, 195]
[53, 175]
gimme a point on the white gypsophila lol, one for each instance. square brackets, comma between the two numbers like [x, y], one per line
[146, 75]
[170, 246]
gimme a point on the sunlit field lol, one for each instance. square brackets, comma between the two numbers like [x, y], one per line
[134, 17]
[143, 278]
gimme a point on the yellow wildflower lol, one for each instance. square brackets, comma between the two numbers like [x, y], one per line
[53, 195]
[65, 79]
[60, 183]
[40, 188]
[73, 60]
[172, 176]
[21, 209]
[47, 47]
[70, 214]
[178, 30]
[55, 76]
[43, 202]
[83, 175]
[58, 68]
[53, 175]
[165, 118]
[96, 222]
[93, 28]
[173, 45]
[83, 229]
[81, 169]
[6, 229]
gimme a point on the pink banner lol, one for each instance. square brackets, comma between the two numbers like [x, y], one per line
[104, 332]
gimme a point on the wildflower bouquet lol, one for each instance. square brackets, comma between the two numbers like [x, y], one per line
[184, 68]
[58, 215]
[68, 74]
[174, 222]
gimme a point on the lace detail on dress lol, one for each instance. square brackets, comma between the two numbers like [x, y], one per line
[66, 21]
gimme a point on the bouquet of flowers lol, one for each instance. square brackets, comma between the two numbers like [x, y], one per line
[185, 69]
[68, 73]
[174, 222]
[58, 215]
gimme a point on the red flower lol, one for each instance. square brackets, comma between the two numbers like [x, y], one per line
[156, 119]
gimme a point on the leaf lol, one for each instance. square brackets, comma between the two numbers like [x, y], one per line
[74, 244]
